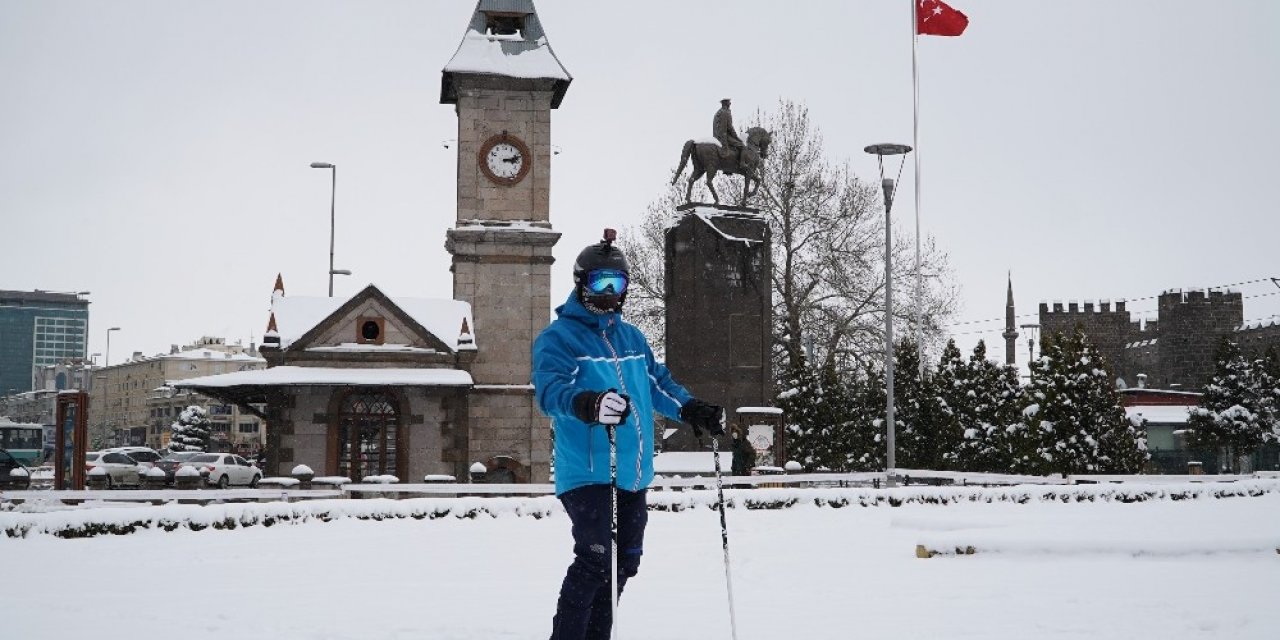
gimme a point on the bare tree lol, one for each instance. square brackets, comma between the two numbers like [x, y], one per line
[828, 255]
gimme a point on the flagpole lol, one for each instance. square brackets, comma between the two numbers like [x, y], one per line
[915, 142]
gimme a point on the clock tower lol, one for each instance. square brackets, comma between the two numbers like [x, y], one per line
[504, 80]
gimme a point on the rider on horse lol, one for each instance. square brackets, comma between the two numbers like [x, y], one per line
[722, 130]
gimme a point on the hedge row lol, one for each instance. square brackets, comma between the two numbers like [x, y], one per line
[90, 522]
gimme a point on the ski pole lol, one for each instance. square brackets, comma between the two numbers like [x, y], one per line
[724, 536]
[613, 529]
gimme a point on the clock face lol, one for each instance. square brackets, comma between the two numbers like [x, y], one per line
[504, 159]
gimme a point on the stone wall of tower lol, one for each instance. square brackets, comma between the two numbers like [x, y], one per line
[1192, 324]
[1108, 329]
[719, 307]
[488, 106]
[505, 274]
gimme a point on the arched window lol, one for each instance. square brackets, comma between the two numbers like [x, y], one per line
[60, 382]
[367, 434]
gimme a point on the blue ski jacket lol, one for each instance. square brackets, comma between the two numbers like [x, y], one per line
[584, 351]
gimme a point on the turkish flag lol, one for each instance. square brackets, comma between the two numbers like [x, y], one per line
[937, 18]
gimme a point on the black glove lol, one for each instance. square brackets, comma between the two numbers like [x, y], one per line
[602, 407]
[701, 415]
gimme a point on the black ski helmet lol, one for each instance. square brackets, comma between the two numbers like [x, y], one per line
[602, 255]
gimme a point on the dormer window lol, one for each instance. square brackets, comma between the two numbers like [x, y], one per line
[503, 24]
[370, 330]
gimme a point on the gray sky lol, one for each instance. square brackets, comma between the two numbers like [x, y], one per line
[155, 152]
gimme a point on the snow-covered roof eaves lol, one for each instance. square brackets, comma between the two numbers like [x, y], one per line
[329, 376]
[526, 55]
[442, 318]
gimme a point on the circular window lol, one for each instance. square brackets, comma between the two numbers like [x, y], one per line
[370, 330]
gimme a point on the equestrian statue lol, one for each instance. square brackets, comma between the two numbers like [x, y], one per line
[727, 153]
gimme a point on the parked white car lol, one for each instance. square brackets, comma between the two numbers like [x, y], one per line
[225, 469]
[121, 469]
[146, 456]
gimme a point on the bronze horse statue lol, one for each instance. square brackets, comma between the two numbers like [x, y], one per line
[711, 157]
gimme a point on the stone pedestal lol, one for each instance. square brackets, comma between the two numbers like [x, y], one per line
[720, 305]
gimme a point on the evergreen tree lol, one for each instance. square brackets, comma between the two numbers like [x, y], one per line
[867, 431]
[920, 439]
[990, 397]
[954, 405]
[1238, 410]
[800, 399]
[1074, 422]
[191, 431]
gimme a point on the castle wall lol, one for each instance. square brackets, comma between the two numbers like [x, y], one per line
[1258, 338]
[1192, 324]
[1108, 327]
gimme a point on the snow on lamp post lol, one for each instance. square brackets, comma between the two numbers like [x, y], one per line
[889, 186]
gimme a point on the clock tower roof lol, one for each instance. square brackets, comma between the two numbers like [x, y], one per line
[505, 38]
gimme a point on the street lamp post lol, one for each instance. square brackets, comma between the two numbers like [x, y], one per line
[888, 185]
[333, 192]
[107, 358]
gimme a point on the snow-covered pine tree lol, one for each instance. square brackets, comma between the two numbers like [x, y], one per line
[991, 397]
[954, 405]
[799, 400]
[1237, 413]
[191, 430]
[1074, 420]
[866, 421]
[920, 439]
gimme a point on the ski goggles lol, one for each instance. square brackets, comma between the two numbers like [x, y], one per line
[606, 281]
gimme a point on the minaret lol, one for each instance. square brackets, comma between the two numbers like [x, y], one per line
[503, 81]
[1010, 327]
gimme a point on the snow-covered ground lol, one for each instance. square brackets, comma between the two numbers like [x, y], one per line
[1164, 569]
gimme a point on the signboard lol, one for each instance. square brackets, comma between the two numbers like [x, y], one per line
[760, 436]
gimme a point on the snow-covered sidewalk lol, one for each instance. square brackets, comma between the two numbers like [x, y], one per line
[1045, 570]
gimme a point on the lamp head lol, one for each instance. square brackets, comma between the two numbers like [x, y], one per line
[321, 165]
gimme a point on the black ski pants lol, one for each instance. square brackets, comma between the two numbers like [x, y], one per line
[584, 610]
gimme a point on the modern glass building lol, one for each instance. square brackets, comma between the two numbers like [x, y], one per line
[39, 328]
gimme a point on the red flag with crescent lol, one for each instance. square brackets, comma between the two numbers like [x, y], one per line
[937, 18]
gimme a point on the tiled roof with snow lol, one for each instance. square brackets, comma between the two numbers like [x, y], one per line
[296, 315]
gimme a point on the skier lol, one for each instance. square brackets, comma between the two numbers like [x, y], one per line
[592, 370]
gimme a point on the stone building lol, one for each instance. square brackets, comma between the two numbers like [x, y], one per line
[1175, 351]
[375, 384]
[125, 397]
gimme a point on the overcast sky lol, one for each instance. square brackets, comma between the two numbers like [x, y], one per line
[155, 152]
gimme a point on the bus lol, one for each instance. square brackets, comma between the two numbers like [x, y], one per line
[22, 441]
